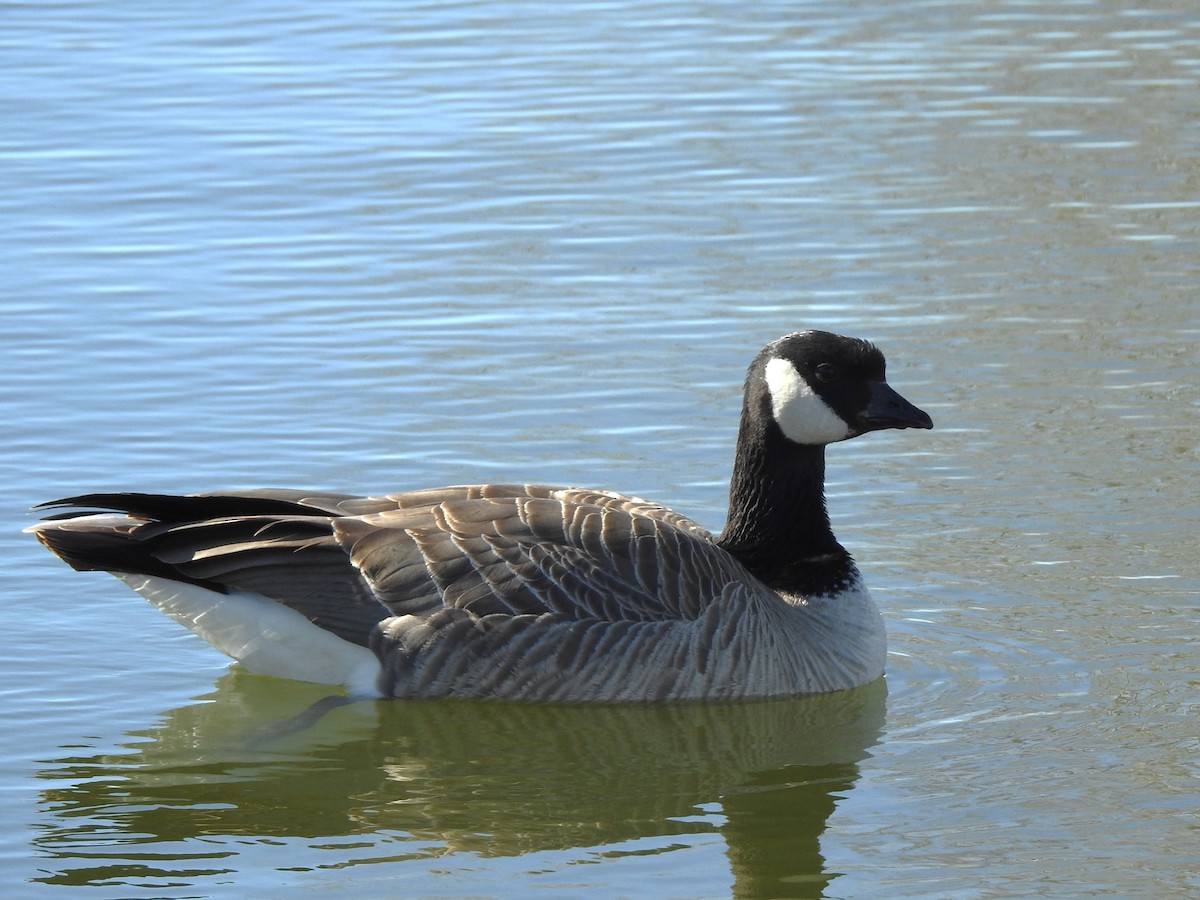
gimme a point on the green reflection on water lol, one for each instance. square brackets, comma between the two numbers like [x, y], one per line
[244, 774]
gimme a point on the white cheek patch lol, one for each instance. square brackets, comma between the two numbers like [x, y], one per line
[802, 415]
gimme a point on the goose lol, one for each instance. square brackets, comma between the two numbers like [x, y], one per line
[528, 592]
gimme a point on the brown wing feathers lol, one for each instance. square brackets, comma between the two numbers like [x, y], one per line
[346, 563]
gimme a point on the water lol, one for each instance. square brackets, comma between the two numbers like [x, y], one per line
[373, 247]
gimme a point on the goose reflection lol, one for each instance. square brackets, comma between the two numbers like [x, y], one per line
[405, 779]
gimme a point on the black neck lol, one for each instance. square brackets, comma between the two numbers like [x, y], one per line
[778, 527]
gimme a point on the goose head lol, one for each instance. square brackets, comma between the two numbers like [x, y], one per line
[819, 388]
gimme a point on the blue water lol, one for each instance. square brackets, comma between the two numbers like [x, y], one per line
[374, 247]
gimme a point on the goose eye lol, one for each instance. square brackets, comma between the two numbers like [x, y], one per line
[826, 372]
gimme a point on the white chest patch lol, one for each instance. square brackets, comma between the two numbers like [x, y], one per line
[802, 415]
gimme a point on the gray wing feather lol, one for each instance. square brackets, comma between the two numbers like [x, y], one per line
[578, 554]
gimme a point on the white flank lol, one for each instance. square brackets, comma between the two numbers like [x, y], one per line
[264, 636]
[802, 415]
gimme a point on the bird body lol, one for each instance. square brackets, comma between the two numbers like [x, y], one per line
[530, 592]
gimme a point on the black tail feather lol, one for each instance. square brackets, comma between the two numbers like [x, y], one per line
[188, 508]
[109, 548]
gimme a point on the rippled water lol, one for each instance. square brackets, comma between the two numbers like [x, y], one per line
[372, 247]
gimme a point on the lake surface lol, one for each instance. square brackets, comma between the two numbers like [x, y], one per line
[372, 247]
